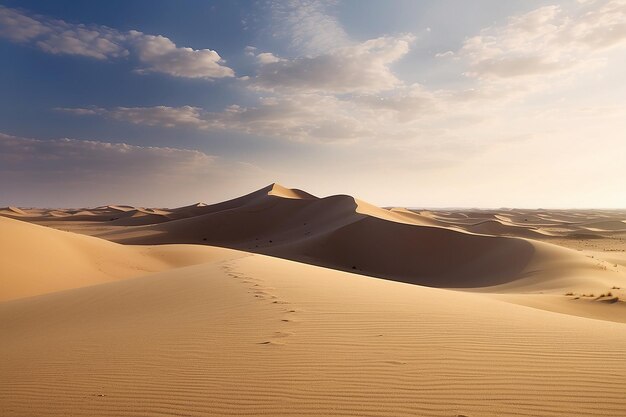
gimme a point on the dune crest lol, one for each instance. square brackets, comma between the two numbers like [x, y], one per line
[284, 192]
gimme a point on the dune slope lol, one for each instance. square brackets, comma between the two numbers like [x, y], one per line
[348, 234]
[264, 336]
[38, 260]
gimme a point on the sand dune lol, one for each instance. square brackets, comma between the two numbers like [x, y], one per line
[606, 226]
[344, 233]
[39, 260]
[284, 192]
[419, 218]
[262, 336]
[500, 228]
[474, 250]
[12, 211]
[167, 325]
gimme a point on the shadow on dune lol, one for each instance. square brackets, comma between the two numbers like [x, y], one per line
[420, 255]
[331, 232]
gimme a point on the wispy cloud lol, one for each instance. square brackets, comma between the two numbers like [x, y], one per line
[155, 53]
[75, 172]
[94, 158]
[309, 117]
[546, 41]
[309, 26]
[163, 116]
[363, 67]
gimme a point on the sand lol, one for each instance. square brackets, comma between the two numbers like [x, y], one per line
[262, 336]
[39, 260]
[310, 306]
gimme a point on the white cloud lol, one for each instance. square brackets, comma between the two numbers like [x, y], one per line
[89, 111]
[161, 55]
[267, 58]
[546, 41]
[363, 67]
[164, 116]
[76, 173]
[58, 37]
[308, 25]
[306, 117]
[156, 53]
[19, 27]
[86, 157]
[444, 54]
[160, 116]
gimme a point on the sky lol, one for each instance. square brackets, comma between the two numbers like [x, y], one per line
[425, 103]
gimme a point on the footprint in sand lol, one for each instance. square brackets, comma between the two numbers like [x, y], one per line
[395, 362]
[271, 343]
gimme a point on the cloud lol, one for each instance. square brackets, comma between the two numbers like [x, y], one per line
[59, 37]
[161, 55]
[444, 54]
[267, 58]
[94, 158]
[155, 53]
[308, 25]
[163, 116]
[349, 93]
[546, 41]
[306, 117]
[75, 173]
[19, 27]
[363, 67]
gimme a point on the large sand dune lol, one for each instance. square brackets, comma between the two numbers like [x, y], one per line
[348, 234]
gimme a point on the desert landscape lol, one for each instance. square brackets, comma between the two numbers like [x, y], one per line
[333, 208]
[283, 303]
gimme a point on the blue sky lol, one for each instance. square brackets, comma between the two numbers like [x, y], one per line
[420, 103]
